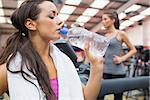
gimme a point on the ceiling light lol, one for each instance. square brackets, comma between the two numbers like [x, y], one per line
[137, 18]
[122, 16]
[133, 8]
[146, 12]
[67, 9]
[122, 27]
[1, 5]
[8, 20]
[1, 12]
[63, 17]
[99, 4]
[2, 19]
[73, 2]
[127, 23]
[90, 12]
[81, 24]
[19, 2]
[78, 23]
[83, 19]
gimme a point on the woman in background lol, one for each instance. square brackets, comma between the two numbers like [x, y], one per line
[32, 68]
[113, 67]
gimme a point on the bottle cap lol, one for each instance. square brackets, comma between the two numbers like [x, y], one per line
[64, 30]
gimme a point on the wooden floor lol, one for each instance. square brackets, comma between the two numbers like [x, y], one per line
[111, 97]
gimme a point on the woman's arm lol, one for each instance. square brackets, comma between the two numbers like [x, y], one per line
[132, 49]
[92, 88]
[3, 79]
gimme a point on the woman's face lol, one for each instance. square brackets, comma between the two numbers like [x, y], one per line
[48, 23]
[107, 21]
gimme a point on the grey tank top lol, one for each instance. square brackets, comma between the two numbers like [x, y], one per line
[114, 48]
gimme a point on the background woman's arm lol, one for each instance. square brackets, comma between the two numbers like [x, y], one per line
[132, 49]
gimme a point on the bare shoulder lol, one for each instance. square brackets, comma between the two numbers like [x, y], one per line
[3, 70]
[3, 79]
[121, 33]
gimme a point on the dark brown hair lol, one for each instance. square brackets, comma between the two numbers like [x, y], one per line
[20, 42]
[113, 15]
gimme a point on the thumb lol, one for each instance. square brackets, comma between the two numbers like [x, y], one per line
[87, 47]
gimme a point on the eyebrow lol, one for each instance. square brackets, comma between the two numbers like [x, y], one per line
[54, 12]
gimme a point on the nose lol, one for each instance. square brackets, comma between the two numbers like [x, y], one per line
[58, 20]
[103, 22]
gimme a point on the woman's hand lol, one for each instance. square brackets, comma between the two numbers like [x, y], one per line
[93, 59]
[118, 59]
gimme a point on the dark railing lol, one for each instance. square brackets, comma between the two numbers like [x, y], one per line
[114, 86]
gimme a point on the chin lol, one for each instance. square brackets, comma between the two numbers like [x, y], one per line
[106, 28]
[57, 37]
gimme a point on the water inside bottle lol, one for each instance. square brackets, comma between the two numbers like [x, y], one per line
[77, 40]
[79, 36]
[99, 46]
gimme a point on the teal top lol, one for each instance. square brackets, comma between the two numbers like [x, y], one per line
[114, 48]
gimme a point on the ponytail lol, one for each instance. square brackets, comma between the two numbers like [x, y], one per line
[12, 44]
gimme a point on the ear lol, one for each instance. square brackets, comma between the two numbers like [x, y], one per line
[30, 24]
[113, 20]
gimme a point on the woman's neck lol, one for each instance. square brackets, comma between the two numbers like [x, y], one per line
[111, 30]
[42, 47]
[43, 50]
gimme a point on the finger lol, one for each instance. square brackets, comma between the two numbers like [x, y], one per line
[115, 61]
[114, 56]
[87, 47]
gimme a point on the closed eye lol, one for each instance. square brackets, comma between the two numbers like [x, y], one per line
[51, 17]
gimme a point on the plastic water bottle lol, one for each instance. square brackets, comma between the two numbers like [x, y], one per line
[78, 37]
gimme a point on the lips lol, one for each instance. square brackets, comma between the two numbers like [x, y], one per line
[58, 30]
